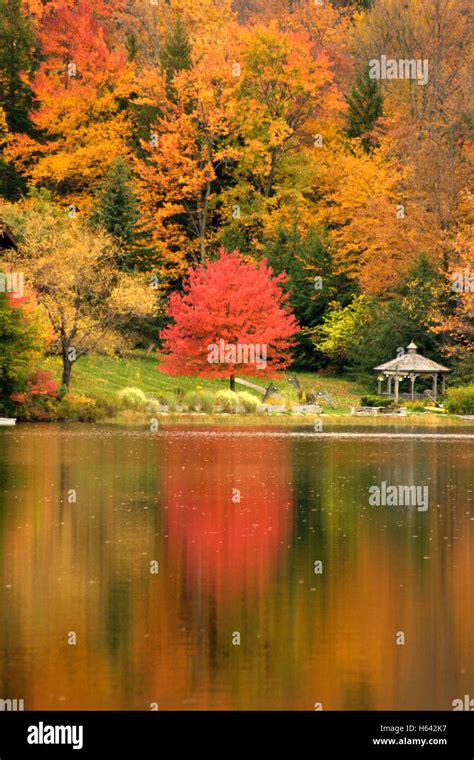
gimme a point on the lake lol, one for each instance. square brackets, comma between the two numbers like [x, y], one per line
[220, 568]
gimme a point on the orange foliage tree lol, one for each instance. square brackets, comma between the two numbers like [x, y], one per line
[82, 124]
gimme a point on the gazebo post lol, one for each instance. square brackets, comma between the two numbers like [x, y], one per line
[435, 385]
[443, 385]
[389, 386]
[412, 380]
[397, 381]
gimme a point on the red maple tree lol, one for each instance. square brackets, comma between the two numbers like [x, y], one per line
[232, 317]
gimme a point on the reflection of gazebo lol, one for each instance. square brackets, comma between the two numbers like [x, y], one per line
[410, 365]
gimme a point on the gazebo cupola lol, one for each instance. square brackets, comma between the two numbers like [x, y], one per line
[410, 366]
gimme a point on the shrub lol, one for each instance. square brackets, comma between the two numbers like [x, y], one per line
[208, 401]
[228, 401]
[41, 408]
[132, 398]
[199, 401]
[248, 401]
[173, 401]
[39, 401]
[416, 406]
[76, 408]
[19, 398]
[460, 400]
[153, 406]
[375, 401]
[42, 383]
[21, 341]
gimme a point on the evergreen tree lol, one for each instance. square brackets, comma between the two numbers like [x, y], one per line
[312, 285]
[176, 53]
[12, 183]
[118, 211]
[17, 62]
[365, 107]
[409, 315]
[132, 46]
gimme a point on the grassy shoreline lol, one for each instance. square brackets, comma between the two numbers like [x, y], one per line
[104, 376]
[128, 418]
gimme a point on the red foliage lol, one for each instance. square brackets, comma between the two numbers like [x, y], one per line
[42, 384]
[228, 545]
[15, 300]
[19, 397]
[233, 303]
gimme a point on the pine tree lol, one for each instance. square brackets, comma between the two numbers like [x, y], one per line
[312, 285]
[365, 107]
[132, 46]
[17, 62]
[175, 54]
[118, 211]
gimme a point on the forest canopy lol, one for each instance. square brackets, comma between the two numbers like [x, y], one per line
[332, 140]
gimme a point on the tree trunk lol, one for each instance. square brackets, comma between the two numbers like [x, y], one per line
[232, 382]
[67, 368]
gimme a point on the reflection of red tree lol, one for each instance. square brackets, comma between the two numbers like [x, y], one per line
[225, 544]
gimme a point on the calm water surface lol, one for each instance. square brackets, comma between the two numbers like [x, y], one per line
[235, 521]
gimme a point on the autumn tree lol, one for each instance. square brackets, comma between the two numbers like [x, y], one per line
[81, 119]
[339, 334]
[189, 148]
[73, 273]
[377, 231]
[456, 323]
[429, 124]
[151, 26]
[226, 304]
[284, 95]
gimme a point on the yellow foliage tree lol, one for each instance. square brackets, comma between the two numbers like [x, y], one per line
[72, 272]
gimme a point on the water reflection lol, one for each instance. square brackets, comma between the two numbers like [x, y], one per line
[236, 523]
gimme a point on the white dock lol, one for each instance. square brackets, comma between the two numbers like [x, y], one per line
[7, 421]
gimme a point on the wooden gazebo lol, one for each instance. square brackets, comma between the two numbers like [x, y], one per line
[410, 366]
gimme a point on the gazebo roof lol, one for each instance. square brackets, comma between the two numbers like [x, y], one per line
[412, 361]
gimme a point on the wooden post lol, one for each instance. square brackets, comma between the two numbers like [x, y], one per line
[412, 378]
[397, 380]
[435, 385]
[389, 385]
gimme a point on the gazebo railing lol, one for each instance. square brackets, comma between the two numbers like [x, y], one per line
[407, 396]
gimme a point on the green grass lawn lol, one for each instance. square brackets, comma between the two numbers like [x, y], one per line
[103, 376]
